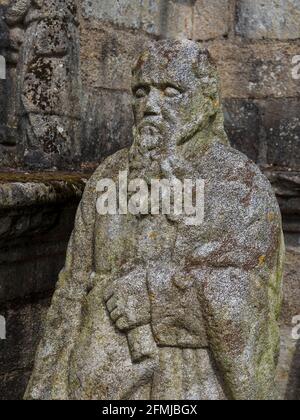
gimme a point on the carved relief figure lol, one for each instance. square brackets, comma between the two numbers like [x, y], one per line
[48, 83]
[148, 307]
[10, 42]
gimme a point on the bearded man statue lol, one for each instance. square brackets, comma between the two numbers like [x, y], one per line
[151, 306]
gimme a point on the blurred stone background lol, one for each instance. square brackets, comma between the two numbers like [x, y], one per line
[65, 106]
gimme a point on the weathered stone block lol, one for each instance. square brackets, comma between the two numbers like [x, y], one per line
[289, 366]
[17, 10]
[177, 19]
[48, 87]
[150, 15]
[287, 188]
[54, 141]
[23, 327]
[268, 131]
[107, 56]
[9, 46]
[281, 122]
[125, 13]
[43, 87]
[256, 70]
[274, 19]
[243, 126]
[156, 17]
[107, 123]
[211, 19]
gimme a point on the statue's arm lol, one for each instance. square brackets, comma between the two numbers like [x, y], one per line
[241, 307]
[242, 328]
[49, 378]
[241, 288]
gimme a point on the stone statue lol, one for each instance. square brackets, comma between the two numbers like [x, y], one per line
[149, 306]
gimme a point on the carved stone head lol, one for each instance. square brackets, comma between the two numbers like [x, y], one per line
[175, 90]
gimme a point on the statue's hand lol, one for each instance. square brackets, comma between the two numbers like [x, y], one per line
[127, 301]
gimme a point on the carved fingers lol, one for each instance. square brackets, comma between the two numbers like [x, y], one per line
[112, 304]
[116, 308]
[127, 302]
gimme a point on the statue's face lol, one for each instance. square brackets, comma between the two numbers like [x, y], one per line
[168, 98]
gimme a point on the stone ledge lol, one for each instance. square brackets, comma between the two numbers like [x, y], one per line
[19, 190]
[285, 183]
[37, 213]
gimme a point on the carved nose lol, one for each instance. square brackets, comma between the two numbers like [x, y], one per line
[152, 106]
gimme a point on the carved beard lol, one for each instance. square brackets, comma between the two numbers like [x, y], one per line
[146, 153]
[155, 155]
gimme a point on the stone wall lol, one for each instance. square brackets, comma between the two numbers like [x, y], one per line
[65, 104]
[68, 101]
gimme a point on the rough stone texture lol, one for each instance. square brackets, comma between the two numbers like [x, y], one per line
[211, 19]
[287, 188]
[268, 131]
[144, 304]
[111, 35]
[281, 121]
[124, 12]
[108, 60]
[23, 325]
[288, 372]
[106, 73]
[105, 131]
[45, 118]
[243, 125]
[158, 17]
[268, 19]
[257, 89]
[9, 47]
[256, 70]
[30, 209]
[43, 83]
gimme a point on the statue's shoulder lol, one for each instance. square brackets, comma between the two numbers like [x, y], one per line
[237, 172]
[233, 165]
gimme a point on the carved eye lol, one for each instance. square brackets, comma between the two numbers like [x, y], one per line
[140, 93]
[171, 92]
